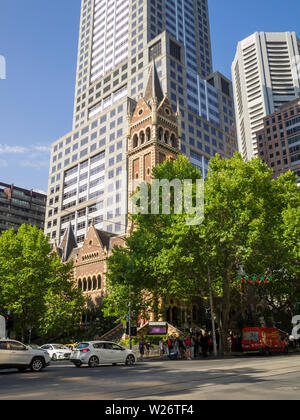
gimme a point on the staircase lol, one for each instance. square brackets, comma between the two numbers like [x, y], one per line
[115, 334]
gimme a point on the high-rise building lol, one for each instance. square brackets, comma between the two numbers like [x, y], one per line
[19, 206]
[118, 42]
[265, 75]
[279, 140]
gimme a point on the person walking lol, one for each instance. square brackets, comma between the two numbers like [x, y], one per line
[181, 348]
[188, 345]
[142, 348]
[161, 348]
[148, 347]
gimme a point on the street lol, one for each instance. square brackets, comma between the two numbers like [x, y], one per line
[250, 377]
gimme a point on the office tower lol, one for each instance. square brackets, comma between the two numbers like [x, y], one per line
[279, 140]
[265, 75]
[118, 42]
[19, 206]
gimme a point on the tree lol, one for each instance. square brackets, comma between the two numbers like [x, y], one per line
[35, 286]
[247, 215]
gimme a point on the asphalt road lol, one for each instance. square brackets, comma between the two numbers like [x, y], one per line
[254, 377]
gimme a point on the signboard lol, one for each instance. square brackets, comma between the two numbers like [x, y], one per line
[159, 328]
[2, 327]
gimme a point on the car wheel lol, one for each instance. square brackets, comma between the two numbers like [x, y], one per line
[130, 360]
[267, 351]
[93, 362]
[37, 364]
[54, 357]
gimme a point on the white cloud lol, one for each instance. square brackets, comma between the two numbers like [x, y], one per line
[5, 149]
[46, 149]
[34, 164]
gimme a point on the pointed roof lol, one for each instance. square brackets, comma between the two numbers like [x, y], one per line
[153, 88]
[68, 243]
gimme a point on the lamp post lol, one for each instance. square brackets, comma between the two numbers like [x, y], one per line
[129, 319]
[212, 311]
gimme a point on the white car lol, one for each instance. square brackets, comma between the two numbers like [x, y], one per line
[15, 355]
[57, 351]
[95, 353]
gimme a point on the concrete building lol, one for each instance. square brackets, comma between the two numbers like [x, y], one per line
[118, 41]
[279, 140]
[153, 136]
[265, 75]
[19, 206]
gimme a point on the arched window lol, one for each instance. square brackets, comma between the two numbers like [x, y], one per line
[148, 134]
[89, 284]
[84, 285]
[99, 282]
[167, 136]
[135, 141]
[142, 137]
[160, 133]
[173, 140]
[94, 283]
[80, 284]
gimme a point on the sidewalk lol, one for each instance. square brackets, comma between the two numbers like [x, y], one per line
[157, 358]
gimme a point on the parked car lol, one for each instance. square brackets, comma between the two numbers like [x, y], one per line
[57, 351]
[95, 353]
[263, 340]
[15, 355]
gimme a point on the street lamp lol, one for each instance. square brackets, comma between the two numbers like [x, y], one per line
[212, 311]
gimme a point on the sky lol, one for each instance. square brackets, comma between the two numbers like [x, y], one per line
[38, 40]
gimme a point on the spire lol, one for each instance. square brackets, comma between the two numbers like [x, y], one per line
[68, 243]
[153, 88]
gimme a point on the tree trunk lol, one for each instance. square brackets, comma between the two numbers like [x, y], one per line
[226, 309]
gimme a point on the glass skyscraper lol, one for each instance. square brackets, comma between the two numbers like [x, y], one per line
[118, 41]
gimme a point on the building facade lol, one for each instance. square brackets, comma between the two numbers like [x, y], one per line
[19, 206]
[279, 140]
[265, 76]
[153, 136]
[118, 41]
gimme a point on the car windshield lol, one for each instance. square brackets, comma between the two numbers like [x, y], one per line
[251, 336]
[58, 347]
[82, 346]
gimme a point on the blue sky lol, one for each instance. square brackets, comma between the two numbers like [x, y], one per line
[39, 42]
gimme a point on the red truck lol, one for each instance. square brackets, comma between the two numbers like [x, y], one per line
[263, 340]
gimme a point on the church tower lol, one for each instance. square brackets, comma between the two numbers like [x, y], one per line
[154, 131]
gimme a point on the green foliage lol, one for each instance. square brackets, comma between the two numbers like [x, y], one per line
[250, 220]
[35, 286]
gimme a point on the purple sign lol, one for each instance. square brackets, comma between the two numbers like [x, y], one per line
[159, 330]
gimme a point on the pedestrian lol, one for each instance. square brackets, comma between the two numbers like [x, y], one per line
[161, 348]
[148, 346]
[170, 345]
[141, 348]
[188, 345]
[181, 348]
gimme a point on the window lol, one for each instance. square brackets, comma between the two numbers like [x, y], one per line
[155, 51]
[175, 50]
